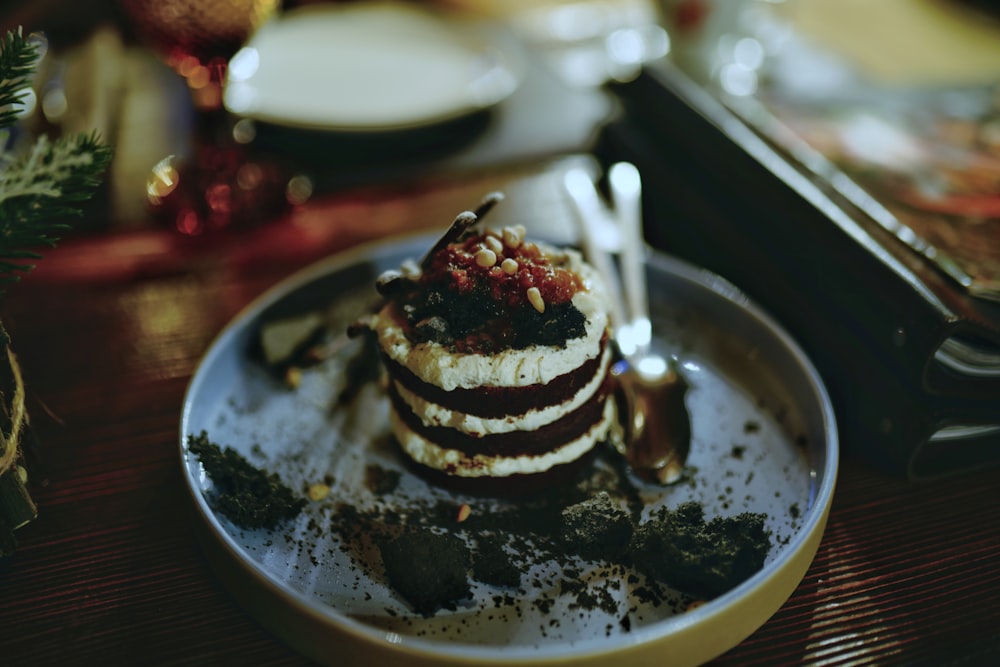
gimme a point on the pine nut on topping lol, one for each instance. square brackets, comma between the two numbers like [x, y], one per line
[494, 244]
[513, 236]
[486, 258]
[509, 266]
[535, 298]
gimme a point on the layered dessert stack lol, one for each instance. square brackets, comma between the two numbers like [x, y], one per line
[497, 351]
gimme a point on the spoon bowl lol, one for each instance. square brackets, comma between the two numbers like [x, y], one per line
[655, 422]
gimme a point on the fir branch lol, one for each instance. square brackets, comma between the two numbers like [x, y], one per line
[40, 190]
[18, 57]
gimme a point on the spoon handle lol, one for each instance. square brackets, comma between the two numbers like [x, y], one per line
[587, 205]
[626, 195]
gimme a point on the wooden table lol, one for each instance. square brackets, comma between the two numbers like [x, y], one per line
[109, 329]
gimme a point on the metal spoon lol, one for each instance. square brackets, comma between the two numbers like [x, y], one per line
[657, 424]
[655, 421]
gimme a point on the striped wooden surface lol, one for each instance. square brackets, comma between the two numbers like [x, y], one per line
[109, 331]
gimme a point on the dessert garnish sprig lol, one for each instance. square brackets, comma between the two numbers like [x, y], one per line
[462, 223]
[390, 281]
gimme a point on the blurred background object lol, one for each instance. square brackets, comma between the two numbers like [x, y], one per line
[179, 154]
[217, 184]
[902, 42]
[198, 37]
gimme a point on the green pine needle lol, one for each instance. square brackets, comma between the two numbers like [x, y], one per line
[43, 187]
[18, 57]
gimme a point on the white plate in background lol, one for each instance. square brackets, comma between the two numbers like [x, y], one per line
[368, 66]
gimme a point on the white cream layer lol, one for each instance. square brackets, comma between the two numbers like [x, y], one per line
[460, 464]
[538, 364]
[432, 414]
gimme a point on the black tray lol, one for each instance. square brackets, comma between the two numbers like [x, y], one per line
[877, 318]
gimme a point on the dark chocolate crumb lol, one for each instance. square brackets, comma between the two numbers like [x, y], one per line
[381, 481]
[680, 548]
[430, 570]
[247, 496]
[492, 565]
[434, 328]
[572, 527]
[596, 528]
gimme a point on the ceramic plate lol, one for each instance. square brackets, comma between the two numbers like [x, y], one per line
[359, 67]
[764, 441]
